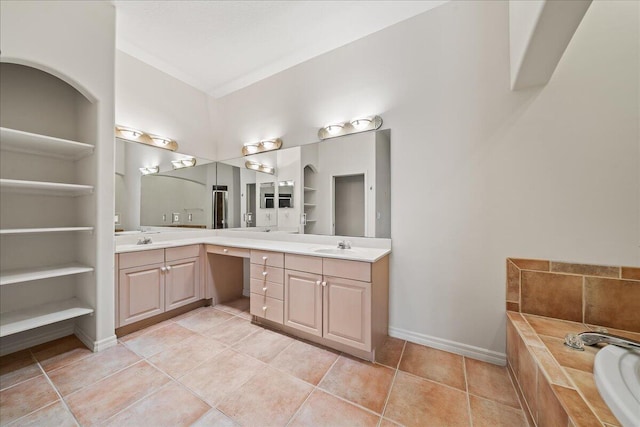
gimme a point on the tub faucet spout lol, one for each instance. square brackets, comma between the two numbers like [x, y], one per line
[593, 338]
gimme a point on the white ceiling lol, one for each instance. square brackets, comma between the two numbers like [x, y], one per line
[222, 46]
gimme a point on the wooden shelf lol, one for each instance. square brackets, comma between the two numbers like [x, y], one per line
[27, 274]
[44, 188]
[13, 322]
[309, 205]
[33, 143]
[42, 230]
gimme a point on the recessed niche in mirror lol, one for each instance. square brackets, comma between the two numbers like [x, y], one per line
[169, 198]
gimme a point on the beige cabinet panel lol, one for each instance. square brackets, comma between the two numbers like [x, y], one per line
[270, 274]
[269, 289]
[303, 301]
[347, 312]
[266, 307]
[141, 293]
[182, 283]
[271, 259]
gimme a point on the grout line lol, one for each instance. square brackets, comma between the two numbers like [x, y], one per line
[62, 400]
[466, 387]
[393, 381]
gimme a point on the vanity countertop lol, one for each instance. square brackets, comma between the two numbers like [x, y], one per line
[365, 254]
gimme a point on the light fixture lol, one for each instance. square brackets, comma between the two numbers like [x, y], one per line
[261, 146]
[259, 167]
[361, 124]
[135, 135]
[285, 183]
[183, 163]
[150, 169]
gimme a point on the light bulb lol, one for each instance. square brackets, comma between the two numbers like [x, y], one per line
[360, 123]
[333, 129]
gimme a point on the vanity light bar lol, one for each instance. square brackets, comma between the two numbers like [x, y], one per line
[135, 135]
[150, 170]
[361, 124]
[261, 146]
[183, 163]
[259, 167]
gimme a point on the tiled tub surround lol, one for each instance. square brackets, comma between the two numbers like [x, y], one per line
[212, 367]
[555, 381]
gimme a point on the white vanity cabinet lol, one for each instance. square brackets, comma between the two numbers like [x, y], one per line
[154, 281]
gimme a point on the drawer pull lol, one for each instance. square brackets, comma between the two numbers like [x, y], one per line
[264, 258]
[264, 289]
[225, 250]
[318, 282]
[168, 268]
[264, 273]
[163, 269]
[264, 308]
[324, 283]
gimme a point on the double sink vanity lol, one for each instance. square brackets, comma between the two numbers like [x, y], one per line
[302, 285]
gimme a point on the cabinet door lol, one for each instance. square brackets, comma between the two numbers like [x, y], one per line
[182, 283]
[303, 301]
[140, 293]
[347, 312]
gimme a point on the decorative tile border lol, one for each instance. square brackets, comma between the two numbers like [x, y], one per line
[592, 294]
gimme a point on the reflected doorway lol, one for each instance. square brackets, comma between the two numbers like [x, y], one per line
[251, 206]
[348, 205]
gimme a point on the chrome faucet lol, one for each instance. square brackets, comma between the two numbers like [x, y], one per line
[344, 244]
[144, 240]
[593, 338]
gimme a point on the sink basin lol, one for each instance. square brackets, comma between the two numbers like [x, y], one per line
[334, 251]
[617, 374]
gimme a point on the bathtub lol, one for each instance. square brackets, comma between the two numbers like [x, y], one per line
[617, 375]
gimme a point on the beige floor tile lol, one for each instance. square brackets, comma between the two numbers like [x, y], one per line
[363, 383]
[60, 352]
[388, 423]
[80, 374]
[56, 414]
[491, 382]
[98, 402]
[204, 320]
[189, 313]
[488, 413]
[389, 352]
[215, 418]
[17, 367]
[238, 306]
[24, 398]
[269, 398]
[418, 402]
[158, 340]
[554, 327]
[181, 358]
[305, 361]
[221, 375]
[432, 364]
[173, 405]
[322, 409]
[263, 345]
[147, 330]
[232, 331]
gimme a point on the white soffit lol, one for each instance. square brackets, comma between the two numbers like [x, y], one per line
[222, 46]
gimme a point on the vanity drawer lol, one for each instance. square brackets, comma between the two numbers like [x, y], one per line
[138, 258]
[182, 252]
[274, 290]
[267, 308]
[226, 250]
[273, 274]
[309, 264]
[272, 259]
[356, 270]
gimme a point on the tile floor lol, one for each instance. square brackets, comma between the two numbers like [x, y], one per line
[212, 367]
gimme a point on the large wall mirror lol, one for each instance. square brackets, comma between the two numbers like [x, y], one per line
[339, 186]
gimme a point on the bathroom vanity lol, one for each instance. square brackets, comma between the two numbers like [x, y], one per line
[337, 298]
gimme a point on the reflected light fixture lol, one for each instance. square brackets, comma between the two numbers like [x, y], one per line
[135, 135]
[361, 124]
[183, 163]
[150, 170]
[261, 146]
[259, 167]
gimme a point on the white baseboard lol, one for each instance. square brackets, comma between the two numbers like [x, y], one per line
[473, 352]
[92, 345]
[17, 342]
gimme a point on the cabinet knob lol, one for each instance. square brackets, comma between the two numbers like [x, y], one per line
[264, 258]
[318, 282]
[225, 250]
[168, 268]
[163, 269]
[324, 283]
[264, 289]
[264, 308]
[264, 273]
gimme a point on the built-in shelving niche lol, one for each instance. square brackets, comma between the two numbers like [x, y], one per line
[47, 208]
[309, 175]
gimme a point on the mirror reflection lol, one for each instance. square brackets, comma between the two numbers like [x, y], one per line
[339, 186]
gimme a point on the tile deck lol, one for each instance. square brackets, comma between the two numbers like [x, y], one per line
[212, 367]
